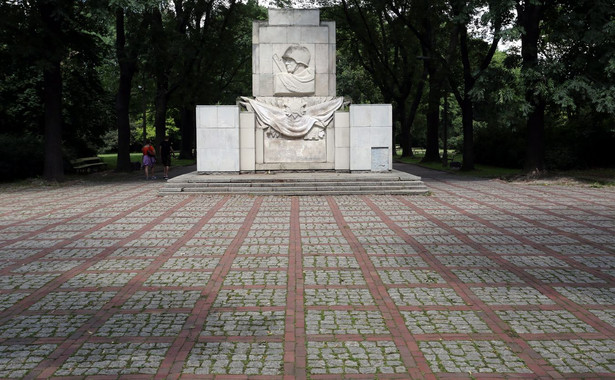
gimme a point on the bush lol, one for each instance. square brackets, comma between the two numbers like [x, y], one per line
[581, 143]
[20, 156]
[499, 146]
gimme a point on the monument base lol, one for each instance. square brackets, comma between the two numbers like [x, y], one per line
[297, 183]
[359, 140]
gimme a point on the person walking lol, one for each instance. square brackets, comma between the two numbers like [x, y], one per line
[149, 159]
[166, 149]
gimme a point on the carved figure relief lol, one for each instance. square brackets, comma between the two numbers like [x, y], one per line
[295, 76]
[294, 118]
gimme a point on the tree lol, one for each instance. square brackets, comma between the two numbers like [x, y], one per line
[51, 50]
[472, 49]
[52, 15]
[530, 14]
[578, 58]
[180, 36]
[127, 62]
[420, 17]
[567, 55]
[67, 33]
[216, 63]
[387, 51]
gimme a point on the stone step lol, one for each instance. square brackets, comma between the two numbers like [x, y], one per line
[298, 192]
[299, 184]
[296, 184]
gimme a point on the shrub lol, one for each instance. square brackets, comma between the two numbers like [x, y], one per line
[20, 156]
[499, 146]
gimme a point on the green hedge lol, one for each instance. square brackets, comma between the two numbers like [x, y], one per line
[20, 156]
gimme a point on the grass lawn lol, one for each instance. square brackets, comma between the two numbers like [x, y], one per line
[483, 171]
[597, 176]
[111, 160]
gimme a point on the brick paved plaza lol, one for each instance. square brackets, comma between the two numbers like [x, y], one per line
[481, 278]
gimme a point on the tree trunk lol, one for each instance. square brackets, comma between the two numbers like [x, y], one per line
[188, 131]
[529, 17]
[162, 63]
[468, 133]
[432, 153]
[52, 81]
[404, 133]
[412, 114]
[122, 100]
[162, 98]
[467, 106]
[534, 160]
[54, 165]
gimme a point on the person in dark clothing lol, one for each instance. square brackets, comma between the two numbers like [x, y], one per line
[166, 149]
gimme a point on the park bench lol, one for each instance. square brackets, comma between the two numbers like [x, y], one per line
[88, 164]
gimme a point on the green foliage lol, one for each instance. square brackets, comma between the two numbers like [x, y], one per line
[111, 160]
[499, 146]
[204, 49]
[481, 170]
[87, 112]
[580, 141]
[21, 156]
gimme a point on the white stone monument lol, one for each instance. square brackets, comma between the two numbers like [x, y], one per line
[294, 120]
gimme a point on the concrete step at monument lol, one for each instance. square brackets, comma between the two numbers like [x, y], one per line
[311, 183]
[296, 192]
[278, 189]
[316, 185]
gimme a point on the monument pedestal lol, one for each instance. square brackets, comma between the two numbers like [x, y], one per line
[356, 141]
[294, 121]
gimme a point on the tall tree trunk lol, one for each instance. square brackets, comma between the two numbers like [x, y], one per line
[467, 122]
[162, 99]
[122, 100]
[432, 153]
[412, 114]
[54, 165]
[52, 82]
[188, 131]
[467, 106]
[534, 160]
[404, 133]
[529, 17]
[163, 64]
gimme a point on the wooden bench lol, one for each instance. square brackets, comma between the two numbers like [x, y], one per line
[88, 164]
[452, 163]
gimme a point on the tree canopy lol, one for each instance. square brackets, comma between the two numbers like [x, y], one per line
[85, 77]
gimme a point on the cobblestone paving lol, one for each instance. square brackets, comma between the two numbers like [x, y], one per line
[481, 278]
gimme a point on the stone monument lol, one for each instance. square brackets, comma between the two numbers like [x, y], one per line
[294, 120]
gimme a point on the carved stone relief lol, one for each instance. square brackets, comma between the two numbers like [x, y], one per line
[294, 118]
[295, 76]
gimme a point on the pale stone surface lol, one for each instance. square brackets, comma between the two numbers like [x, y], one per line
[294, 16]
[295, 150]
[342, 140]
[370, 127]
[217, 138]
[247, 127]
[247, 138]
[287, 27]
[342, 159]
[380, 159]
[330, 140]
